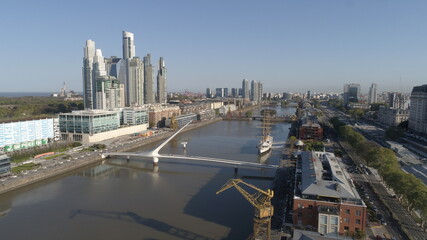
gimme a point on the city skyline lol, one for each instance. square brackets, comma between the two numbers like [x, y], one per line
[290, 46]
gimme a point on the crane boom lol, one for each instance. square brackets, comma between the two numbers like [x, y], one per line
[261, 200]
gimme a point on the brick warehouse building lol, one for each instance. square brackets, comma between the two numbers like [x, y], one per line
[310, 129]
[325, 199]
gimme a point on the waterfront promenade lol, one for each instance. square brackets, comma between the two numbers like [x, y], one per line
[79, 160]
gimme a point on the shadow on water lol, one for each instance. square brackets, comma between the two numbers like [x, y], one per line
[135, 218]
[231, 208]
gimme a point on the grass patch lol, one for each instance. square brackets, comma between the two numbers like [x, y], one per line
[25, 167]
[54, 156]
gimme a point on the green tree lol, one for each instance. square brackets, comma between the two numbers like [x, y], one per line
[394, 133]
[248, 114]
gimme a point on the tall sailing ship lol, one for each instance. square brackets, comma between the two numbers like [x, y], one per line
[266, 141]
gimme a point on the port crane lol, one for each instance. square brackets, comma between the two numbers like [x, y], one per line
[261, 200]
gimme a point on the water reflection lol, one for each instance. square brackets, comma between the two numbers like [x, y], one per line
[5, 207]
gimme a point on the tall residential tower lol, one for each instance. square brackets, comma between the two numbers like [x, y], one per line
[161, 82]
[89, 93]
[372, 98]
[148, 80]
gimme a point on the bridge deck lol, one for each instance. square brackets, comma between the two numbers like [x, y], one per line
[234, 163]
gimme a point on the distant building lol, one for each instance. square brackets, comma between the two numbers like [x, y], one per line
[158, 113]
[325, 199]
[255, 95]
[161, 82]
[397, 100]
[308, 94]
[219, 93]
[208, 93]
[148, 80]
[418, 110]
[392, 117]
[351, 93]
[227, 108]
[245, 89]
[372, 97]
[234, 93]
[181, 120]
[4, 164]
[287, 96]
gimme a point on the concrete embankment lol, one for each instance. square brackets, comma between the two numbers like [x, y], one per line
[66, 167]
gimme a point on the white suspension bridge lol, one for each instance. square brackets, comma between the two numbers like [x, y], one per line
[155, 156]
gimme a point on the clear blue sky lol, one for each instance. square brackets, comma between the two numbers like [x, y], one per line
[298, 45]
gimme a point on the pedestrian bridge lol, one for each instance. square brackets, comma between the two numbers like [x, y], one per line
[155, 155]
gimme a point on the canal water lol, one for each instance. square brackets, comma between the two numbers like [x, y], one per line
[134, 200]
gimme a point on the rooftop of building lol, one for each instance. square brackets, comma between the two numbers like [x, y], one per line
[422, 88]
[307, 235]
[323, 176]
[91, 112]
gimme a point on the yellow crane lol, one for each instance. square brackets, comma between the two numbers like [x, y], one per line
[261, 200]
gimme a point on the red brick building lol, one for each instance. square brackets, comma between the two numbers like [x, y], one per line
[310, 129]
[325, 198]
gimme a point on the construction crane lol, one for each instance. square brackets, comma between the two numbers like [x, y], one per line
[261, 200]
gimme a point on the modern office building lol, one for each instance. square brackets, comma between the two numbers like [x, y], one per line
[226, 92]
[308, 94]
[372, 97]
[245, 89]
[351, 93]
[161, 82]
[234, 92]
[208, 93]
[148, 80]
[134, 116]
[325, 199]
[97, 125]
[219, 93]
[27, 134]
[418, 110]
[89, 82]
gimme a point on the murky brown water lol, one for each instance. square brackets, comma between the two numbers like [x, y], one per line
[135, 201]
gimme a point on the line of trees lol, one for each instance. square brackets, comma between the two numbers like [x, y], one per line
[30, 107]
[409, 189]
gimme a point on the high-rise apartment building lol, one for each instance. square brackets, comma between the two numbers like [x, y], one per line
[351, 93]
[119, 82]
[418, 111]
[89, 94]
[135, 84]
[255, 95]
[260, 90]
[372, 98]
[161, 82]
[245, 89]
[148, 80]
[208, 93]
[128, 45]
